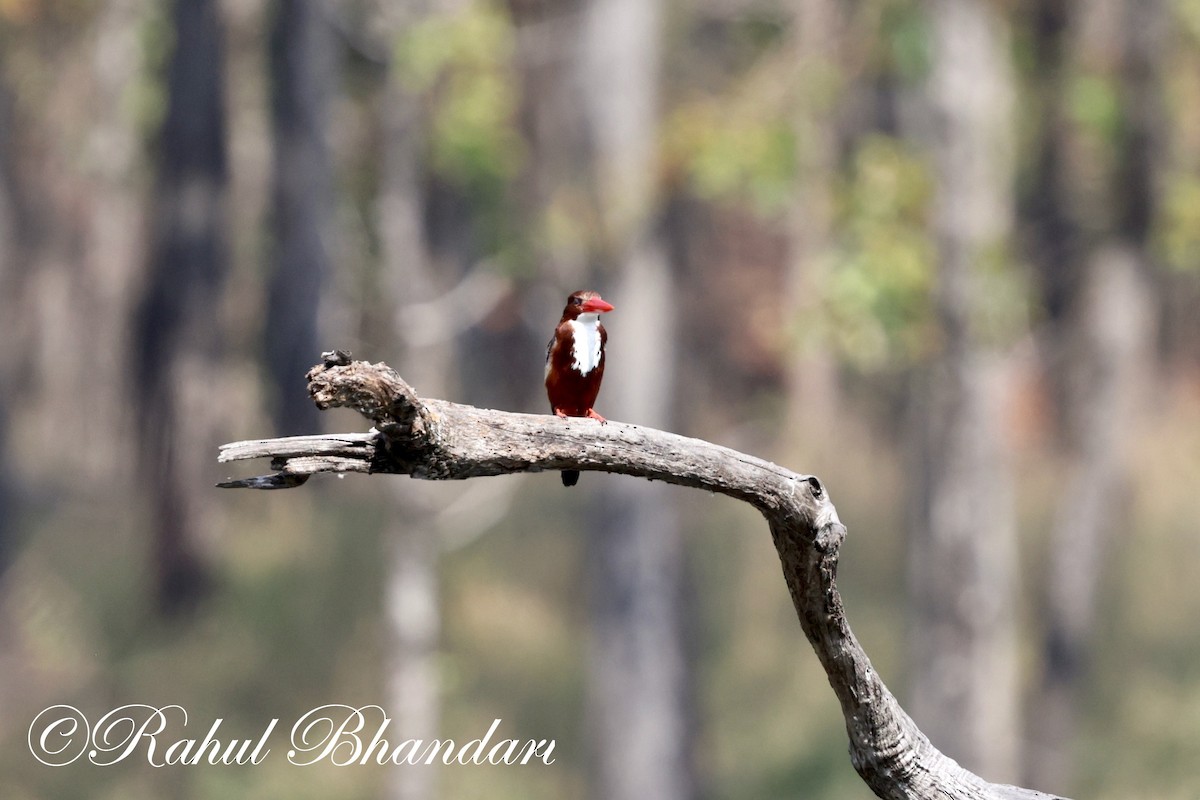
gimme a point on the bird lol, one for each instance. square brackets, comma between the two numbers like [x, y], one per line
[575, 362]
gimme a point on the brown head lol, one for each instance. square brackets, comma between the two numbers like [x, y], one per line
[585, 303]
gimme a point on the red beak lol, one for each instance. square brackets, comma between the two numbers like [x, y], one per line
[595, 305]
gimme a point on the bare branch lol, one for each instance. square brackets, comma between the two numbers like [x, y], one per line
[438, 440]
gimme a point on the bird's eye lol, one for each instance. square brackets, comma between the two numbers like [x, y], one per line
[577, 301]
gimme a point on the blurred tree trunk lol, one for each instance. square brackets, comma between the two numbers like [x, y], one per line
[812, 381]
[1104, 349]
[176, 343]
[551, 119]
[1096, 345]
[302, 78]
[12, 231]
[1054, 235]
[8, 504]
[11, 224]
[110, 237]
[69, 222]
[962, 548]
[639, 677]
[75, 234]
[639, 674]
[409, 276]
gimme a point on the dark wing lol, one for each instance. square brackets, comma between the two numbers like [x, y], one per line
[550, 352]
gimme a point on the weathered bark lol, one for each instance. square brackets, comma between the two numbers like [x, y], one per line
[302, 77]
[439, 440]
[963, 539]
[176, 344]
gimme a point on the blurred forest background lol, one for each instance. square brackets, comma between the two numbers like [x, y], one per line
[942, 253]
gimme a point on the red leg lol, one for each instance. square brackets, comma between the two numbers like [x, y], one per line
[591, 412]
[558, 412]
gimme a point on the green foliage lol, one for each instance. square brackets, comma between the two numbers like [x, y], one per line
[462, 65]
[1002, 300]
[739, 144]
[758, 31]
[146, 98]
[1187, 14]
[879, 286]
[905, 38]
[1094, 105]
[1177, 236]
[877, 293]
[746, 155]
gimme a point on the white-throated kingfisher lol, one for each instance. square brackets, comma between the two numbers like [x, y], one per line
[575, 362]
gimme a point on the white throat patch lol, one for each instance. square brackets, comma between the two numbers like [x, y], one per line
[585, 333]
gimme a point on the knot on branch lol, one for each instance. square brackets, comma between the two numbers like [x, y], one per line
[374, 390]
[379, 393]
[829, 537]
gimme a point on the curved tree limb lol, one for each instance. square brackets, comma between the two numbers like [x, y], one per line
[439, 440]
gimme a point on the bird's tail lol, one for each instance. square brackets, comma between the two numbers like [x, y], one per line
[570, 477]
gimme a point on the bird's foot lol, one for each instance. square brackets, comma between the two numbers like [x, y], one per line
[558, 412]
[591, 412]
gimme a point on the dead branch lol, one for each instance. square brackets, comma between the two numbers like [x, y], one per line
[438, 440]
